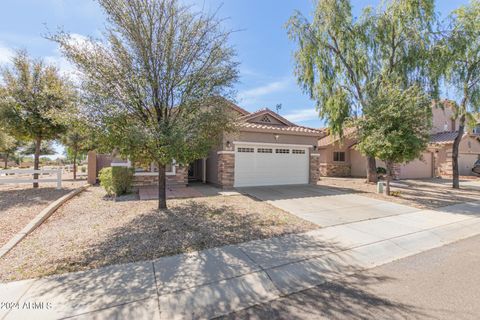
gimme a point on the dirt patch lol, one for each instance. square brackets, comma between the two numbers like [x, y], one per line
[21, 203]
[424, 194]
[91, 231]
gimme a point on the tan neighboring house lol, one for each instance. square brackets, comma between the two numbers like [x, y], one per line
[267, 149]
[341, 159]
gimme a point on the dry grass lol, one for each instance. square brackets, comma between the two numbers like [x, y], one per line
[21, 203]
[424, 194]
[91, 231]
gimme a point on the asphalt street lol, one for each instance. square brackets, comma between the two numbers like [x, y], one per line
[443, 283]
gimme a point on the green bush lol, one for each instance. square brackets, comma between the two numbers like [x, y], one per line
[83, 169]
[381, 170]
[116, 180]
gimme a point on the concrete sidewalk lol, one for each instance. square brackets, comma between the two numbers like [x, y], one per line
[218, 281]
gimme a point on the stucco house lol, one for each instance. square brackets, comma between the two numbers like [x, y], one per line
[266, 149]
[341, 159]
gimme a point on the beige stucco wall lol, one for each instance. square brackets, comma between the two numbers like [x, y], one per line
[212, 166]
[442, 120]
[326, 153]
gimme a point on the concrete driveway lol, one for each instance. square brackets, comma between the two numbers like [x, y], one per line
[326, 206]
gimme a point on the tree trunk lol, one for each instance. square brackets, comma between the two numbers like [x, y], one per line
[389, 165]
[162, 190]
[456, 144]
[6, 161]
[371, 170]
[75, 165]
[36, 159]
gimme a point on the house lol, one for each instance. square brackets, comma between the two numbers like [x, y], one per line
[342, 159]
[266, 149]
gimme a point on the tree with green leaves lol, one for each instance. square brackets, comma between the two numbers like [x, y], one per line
[31, 97]
[151, 86]
[8, 146]
[341, 61]
[458, 53]
[77, 141]
[46, 148]
[396, 126]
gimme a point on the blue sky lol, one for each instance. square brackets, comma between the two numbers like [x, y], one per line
[261, 41]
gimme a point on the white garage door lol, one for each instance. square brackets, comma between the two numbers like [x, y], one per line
[264, 165]
[465, 163]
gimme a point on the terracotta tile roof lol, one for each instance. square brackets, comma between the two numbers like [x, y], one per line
[443, 137]
[294, 128]
[328, 140]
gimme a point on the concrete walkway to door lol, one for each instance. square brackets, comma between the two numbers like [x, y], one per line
[326, 206]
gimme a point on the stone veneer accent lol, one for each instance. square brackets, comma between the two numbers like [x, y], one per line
[179, 179]
[226, 168]
[314, 175]
[334, 170]
[445, 169]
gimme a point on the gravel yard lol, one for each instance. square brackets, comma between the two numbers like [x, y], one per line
[21, 203]
[91, 231]
[424, 194]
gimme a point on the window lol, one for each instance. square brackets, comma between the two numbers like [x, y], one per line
[298, 151]
[266, 119]
[264, 150]
[245, 149]
[339, 156]
[282, 150]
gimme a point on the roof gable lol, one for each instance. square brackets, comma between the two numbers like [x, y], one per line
[268, 117]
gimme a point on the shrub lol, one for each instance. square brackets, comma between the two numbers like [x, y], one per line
[106, 181]
[116, 180]
[381, 170]
[83, 169]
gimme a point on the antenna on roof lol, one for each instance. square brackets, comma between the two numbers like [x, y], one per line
[278, 107]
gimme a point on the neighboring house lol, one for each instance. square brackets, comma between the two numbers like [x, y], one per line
[266, 149]
[340, 158]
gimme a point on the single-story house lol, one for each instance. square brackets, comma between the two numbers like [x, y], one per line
[340, 157]
[266, 149]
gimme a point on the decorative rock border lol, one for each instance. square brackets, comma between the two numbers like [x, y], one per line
[38, 220]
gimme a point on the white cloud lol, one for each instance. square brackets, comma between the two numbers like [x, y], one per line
[6, 54]
[301, 115]
[265, 89]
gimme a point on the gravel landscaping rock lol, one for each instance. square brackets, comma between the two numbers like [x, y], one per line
[92, 230]
[21, 203]
[421, 193]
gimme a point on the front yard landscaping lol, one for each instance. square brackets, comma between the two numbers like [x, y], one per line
[92, 231]
[21, 203]
[423, 194]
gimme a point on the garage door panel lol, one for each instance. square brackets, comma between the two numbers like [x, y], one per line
[417, 168]
[465, 163]
[260, 169]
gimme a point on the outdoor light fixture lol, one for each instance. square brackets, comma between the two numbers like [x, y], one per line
[229, 144]
[276, 137]
[314, 147]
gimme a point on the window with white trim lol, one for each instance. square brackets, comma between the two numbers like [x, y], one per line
[245, 150]
[298, 151]
[282, 150]
[339, 156]
[264, 150]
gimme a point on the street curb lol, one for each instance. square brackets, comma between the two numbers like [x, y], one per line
[38, 220]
